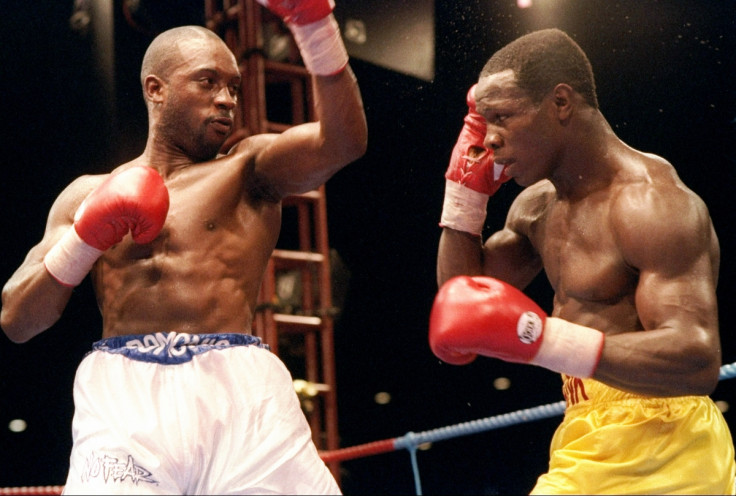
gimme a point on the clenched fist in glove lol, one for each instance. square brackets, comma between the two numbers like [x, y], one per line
[471, 177]
[484, 316]
[315, 31]
[135, 200]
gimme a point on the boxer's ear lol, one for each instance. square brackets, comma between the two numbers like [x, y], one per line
[153, 89]
[563, 96]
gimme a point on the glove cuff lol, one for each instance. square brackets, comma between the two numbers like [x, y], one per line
[464, 209]
[70, 259]
[569, 348]
[321, 46]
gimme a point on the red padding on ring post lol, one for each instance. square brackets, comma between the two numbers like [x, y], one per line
[32, 490]
[359, 451]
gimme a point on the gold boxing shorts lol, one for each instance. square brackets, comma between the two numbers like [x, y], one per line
[614, 442]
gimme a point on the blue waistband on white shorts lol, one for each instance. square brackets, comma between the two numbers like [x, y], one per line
[172, 347]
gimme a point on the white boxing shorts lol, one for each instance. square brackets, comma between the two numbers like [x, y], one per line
[170, 413]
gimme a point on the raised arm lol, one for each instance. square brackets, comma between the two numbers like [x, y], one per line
[305, 156]
[470, 180]
[670, 240]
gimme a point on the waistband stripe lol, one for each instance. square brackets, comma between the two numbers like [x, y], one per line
[172, 347]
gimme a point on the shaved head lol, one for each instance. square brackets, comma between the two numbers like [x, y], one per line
[190, 81]
[165, 49]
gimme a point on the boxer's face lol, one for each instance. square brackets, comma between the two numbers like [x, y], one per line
[201, 96]
[519, 131]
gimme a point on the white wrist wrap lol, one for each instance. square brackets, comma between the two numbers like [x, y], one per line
[569, 348]
[321, 46]
[70, 259]
[464, 209]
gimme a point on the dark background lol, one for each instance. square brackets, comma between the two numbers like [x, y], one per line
[665, 74]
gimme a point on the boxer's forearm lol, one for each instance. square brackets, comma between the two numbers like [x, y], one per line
[662, 362]
[32, 302]
[339, 109]
[459, 253]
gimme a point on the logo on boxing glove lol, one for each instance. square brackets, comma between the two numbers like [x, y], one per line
[529, 327]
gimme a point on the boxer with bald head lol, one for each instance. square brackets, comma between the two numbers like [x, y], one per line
[178, 397]
[632, 257]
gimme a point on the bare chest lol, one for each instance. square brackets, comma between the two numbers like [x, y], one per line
[211, 221]
[580, 253]
[202, 272]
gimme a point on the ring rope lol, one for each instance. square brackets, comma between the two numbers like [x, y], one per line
[410, 441]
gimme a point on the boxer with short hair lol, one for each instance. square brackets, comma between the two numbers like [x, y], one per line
[178, 397]
[632, 257]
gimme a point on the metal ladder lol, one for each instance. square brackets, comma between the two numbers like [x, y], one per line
[301, 334]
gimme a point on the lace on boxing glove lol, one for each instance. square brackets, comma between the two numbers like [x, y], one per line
[315, 31]
[321, 46]
[464, 209]
[569, 348]
[70, 259]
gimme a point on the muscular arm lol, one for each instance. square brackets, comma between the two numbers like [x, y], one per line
[671, 242]
[305, 156]
[507, 254]
[32, 300]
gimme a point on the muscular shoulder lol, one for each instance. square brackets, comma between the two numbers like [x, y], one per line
[657, 219]
[530, 207]
[73, 195]
[246, 152]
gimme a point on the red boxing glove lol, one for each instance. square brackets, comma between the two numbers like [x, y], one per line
[472, 171]
[299, 12]
[134, 200]
[484, 316]
[471, 177]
